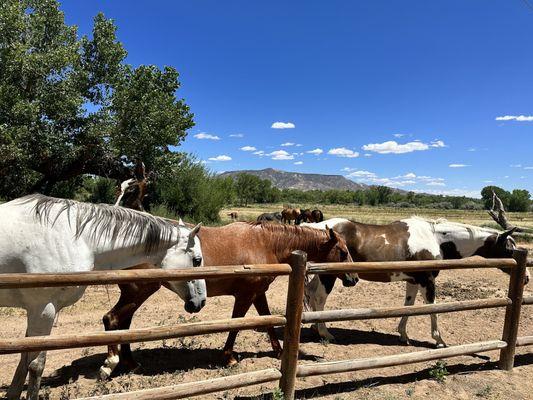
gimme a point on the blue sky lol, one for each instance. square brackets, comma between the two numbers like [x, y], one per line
[406, 94]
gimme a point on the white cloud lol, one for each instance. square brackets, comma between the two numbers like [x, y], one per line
[489, 181]
[343, 152]
[458, 165]
[399, 135]
[368, 155]
[433, 183]
[394, 147]
[283, 125]
[360, 174]
[298, 163]
[472, 149]
[238, 135]
[280, 155]
[528, 167]
[221, 157]
[520, 118]
[437, 143]
[259, 153]
[316, 151]
[206, 136]
[287, 144]
[248, 148]
[516, 165]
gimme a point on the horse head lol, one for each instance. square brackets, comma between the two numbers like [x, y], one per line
[336, 250]
[500, 246]
[187, 253]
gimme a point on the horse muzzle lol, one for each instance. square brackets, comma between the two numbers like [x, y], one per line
[194, 305]
[349, 281]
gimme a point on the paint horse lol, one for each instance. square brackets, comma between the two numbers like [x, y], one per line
[132, 191]
[47, 235]
[409, 239]
[238, 243]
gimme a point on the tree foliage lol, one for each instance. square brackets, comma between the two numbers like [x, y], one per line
[71, 106]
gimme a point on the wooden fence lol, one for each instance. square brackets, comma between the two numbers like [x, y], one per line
[292, 320]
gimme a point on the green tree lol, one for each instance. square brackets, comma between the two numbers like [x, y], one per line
[486, 195]
[519, 200]
[70, 106]
[247, 187]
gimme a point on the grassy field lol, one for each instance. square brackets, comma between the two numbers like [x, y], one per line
[383, 215]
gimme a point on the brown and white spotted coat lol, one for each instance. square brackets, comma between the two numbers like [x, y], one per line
[408, 240]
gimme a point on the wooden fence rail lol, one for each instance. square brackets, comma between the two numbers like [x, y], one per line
[294, 317]
[15, 281]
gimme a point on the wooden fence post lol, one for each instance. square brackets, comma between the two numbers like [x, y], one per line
[293, 314]
[512, 313]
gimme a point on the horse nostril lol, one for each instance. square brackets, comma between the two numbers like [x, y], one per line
[196, 261]
[203, 303]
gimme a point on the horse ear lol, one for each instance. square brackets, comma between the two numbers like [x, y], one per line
[180, 221]
[332, 235]
[195, 230]
[503, 237]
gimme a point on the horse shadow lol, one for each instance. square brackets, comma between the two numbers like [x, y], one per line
[154, 361]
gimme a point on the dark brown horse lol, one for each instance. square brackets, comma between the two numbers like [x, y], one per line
[310, 216]
[237, 243]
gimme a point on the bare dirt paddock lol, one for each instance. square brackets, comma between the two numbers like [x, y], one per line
[73, 373]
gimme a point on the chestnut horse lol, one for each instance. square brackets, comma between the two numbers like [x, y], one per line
[409, 239]
[236, 243]
[290, 214]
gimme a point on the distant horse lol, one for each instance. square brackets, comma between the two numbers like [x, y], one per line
[233, 215]
[47, 235]
[270, 217]
[310, 216]
[290, 214]
[409, 239]
[133, 191]
[238, 243]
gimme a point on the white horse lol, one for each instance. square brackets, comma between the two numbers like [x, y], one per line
[40, 234]
[407, 240]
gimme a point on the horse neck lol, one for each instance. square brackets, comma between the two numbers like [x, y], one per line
[283, 242]
[467, 239]
[125, 249]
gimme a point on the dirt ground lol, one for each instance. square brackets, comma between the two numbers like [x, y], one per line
[73, 373]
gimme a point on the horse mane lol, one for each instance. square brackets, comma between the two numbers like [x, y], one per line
[471, 228]
[108, 222]
[283, 236]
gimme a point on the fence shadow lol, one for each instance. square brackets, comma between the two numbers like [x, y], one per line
[411, 377]
[348, 337]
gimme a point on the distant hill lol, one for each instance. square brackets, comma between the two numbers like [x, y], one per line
[296, 180]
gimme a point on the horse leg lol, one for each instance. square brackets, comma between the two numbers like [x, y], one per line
[411, 290]
[40, 323]
[261, 305]
[428, 293]
[240, 308]
[132, 296]
[318, 294]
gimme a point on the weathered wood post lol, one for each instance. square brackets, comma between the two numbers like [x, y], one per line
[293, 314]
[512, 313]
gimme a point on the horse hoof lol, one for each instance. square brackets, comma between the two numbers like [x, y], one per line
[104, 373]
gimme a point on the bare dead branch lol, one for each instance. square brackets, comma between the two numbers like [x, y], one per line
[497, 212]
